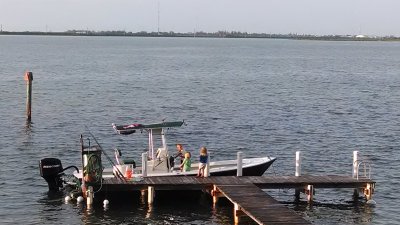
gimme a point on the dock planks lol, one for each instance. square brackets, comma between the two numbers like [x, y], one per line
[258, 205]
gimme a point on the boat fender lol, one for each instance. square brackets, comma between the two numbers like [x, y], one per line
[67, 199]
[106, 202]
[79, 199]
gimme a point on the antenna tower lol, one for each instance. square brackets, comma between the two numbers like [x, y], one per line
[158, 18]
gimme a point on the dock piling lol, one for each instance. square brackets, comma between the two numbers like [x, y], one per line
[150, 195]
[355, 164]
[28, 78]
[216, 194]
[144, 164]
[355, 172]
[310, 193]
[239, 164]
[298, 174]
[89, 196]
[236, 212]
[298, 164]
[368, 191]
[207, 169]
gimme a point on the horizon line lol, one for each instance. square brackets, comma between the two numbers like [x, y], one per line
[190, 33]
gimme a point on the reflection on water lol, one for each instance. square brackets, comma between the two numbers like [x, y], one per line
[28, 127]
[351, 212]
[149, 210]
[175, 208]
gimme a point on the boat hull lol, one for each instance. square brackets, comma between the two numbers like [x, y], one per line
[257, 170]
[251, 167]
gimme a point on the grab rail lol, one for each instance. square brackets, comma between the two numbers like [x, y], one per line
[366, 168]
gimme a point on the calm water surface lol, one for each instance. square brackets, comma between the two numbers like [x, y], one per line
[262, 97]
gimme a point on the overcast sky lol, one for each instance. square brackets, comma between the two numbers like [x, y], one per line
[370, 17]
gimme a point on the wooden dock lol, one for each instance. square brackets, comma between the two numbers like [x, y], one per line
[264, 182]
[258, 205]
[245, 192]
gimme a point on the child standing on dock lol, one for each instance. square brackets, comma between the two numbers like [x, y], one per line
[187, 163]
[203, 161]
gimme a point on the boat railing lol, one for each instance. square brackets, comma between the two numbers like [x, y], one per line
[365, 166]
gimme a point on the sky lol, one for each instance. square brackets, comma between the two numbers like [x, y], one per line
[316, 17]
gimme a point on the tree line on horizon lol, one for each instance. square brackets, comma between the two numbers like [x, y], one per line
[218, 34]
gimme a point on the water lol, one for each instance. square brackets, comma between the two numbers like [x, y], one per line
[262, 97]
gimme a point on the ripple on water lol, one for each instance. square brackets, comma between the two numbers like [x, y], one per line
[262, 97]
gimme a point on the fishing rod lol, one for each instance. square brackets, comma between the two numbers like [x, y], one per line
[119, 174]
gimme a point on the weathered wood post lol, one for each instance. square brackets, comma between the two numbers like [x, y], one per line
[143, 196]
[216, 194]
[207, 169]
[150, 194]
[236, 213]
[28, 78]
[144, 164]
[298, 164]
[368, 191]
[355, 172]
[239, 164]
[355, 164]
[310, 193]
[298, 173]
[89, 197]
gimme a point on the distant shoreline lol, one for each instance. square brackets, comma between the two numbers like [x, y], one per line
[220, 34]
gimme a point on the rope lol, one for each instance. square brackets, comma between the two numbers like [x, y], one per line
[94, 168]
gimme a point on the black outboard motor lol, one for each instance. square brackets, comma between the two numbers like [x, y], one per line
[50, 169]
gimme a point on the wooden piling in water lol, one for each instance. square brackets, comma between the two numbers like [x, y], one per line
[89, 198]
[216, 194]
[355, 172]
[28, 78]
[355, 164]
[298, 164]
[144, 164]
[298, 174]
[239, 172]
[150, 194]
[310, 193]
[207, 169]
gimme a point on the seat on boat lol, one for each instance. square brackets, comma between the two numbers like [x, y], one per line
[161, 153]
[127, 161]
[162, 161]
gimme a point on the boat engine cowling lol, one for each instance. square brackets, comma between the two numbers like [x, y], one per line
[50, 169]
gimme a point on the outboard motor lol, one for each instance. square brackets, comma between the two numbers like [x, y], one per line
[50, 169]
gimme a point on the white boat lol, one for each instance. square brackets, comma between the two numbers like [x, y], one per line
[155, 162]
[159, 158]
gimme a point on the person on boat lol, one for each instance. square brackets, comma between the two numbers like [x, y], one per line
[180, 153]
[187, 163]
[203, 161]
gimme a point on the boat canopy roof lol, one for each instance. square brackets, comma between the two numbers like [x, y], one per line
[131, 128]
